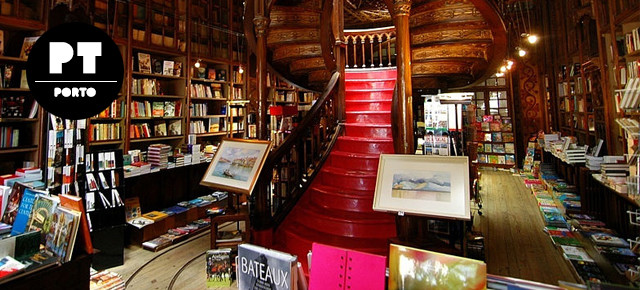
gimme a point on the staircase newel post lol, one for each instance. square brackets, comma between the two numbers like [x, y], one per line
[340, 46]
[402, 113]
[261, 23]
[402, 102]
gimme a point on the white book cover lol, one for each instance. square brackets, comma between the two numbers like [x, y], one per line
[262, 268]
[576, 253]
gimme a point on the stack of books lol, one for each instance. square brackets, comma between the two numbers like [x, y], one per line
[575, 154]
[594, 163]
[158, 155]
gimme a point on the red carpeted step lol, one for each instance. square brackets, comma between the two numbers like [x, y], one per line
[355, 161]
[380, 83]
[350, 179]
[368, 105]
[371, 73]
[369, 117]
[341, 199]
[364, 145]
[369, 130]
[345, 223]
[369, 94]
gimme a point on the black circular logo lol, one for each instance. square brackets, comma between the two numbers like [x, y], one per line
[75, 70]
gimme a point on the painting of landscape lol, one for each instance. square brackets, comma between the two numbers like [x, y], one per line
[236, 163]
[422, 185]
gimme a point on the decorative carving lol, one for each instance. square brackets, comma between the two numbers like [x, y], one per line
[451, 35]
[260, 25]
[402, 7]
[299, 18]
[296, 51]
[422, 18]
[306, 64]
[441, 68]
[466, 50]
[531, 102]
[293, 35]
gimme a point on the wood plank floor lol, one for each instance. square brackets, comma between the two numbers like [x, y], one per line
[515, 244]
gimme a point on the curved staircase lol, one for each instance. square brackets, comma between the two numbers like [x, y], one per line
[336, 209]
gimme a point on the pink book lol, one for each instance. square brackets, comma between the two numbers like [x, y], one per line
[338, 268]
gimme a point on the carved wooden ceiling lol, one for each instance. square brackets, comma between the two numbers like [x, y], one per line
[454, 43]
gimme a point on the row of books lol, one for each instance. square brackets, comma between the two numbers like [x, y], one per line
[155, 109]
[147, 64]
[631, 94]
[160, 128]
[176, 235]
[507, 159]
[9, 137]
[496, 137]
[496, 148]
[213, 90]
[210, 126]
[236, 94]
[115, 110]
[199, 110]
[285, 96]
[146, 86]
[503, 125]
[631, 42]
[104, 131]
[210, 73]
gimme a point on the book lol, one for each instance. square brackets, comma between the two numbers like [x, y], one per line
[157, 244]
[5, 191]
[576, 253]
[155, 215]
[132, 208]
[228, 236]
[24, 212]
[160, 128]
[5, 228]
[10, 266]
[262, 268]
[211, 73]
[331, 266]
[144, 62]
[140, 222]
[605, 239]
[167, 67]
[170, 109]
[42, 212]
[1, 42]
[219, 267]
[61, 237]
[157, 109]
[453, 272]
[27, 44]
[175, 128]
[76, 203]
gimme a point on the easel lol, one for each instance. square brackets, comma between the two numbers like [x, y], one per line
[232, 213]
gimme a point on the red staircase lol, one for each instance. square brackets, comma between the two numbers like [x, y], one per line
[336, 209]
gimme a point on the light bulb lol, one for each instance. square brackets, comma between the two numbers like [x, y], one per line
[499, 74]
[240, 70]
[509, 64]
[532, 38]
[197, 64]
[503, 69]
[521, 52]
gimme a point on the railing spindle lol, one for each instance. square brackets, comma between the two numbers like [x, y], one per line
[367, 37]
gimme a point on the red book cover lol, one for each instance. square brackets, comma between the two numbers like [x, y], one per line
[75, 203]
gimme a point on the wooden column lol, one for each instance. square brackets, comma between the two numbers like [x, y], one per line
[261, 23]
[402, 102]
[339, 54]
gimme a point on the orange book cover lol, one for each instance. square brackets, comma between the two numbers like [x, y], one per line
[76, 203]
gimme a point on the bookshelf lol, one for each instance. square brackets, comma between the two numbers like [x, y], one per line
[157, 97]
[493, 124]
[20, 117]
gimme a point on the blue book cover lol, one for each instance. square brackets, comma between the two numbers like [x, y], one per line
[24, 211]
[176, 209]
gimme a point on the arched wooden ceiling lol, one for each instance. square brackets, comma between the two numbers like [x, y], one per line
[454, 43]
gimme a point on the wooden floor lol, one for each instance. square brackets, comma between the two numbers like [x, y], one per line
[516, 245]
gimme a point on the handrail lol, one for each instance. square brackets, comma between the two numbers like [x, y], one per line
[362, 51]
[290, 168]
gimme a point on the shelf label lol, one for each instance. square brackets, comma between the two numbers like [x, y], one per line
[74, 70]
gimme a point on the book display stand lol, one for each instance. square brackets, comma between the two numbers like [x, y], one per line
[234, 212]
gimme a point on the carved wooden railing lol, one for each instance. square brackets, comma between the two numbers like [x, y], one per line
[290, 167]
[369, 48]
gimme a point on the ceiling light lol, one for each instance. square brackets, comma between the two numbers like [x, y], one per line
[503, 69]
[509, 64]
[521, 52]
[499, 74]
[532, 38]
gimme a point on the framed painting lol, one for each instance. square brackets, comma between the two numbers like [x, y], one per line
[425, 185]
[236, 165]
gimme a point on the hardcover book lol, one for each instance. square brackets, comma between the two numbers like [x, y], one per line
[61, 237]
[13, 202]
[10, 266]
[155, 215]
[170, 109]
[331, 266]
[76, 203]
[27, 44]
[24, 211]
[262, 268]
[160, 128]
[451, 272]
[167, 67]
[157, 109]
[42, 212]
[144, 62]
[576, 253]
[175, 127]
[219, 267]
[605, 239]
